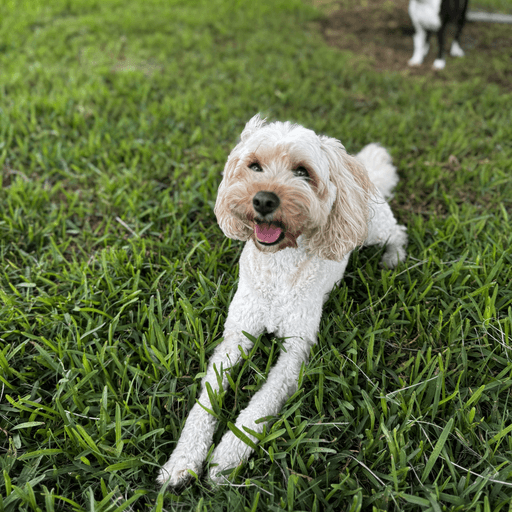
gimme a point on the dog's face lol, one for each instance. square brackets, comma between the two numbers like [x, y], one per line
[283, 181]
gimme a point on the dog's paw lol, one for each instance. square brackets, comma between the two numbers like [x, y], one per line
[230, 453]
[415, 61]
[439, 64]
[456, 50]
[419, 55]
[393, 256]
[175, 472]
[390, 260]
[395, 247]
[218, 475]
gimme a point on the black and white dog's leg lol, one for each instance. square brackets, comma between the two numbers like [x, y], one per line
[440, 61]
[456, 50]
[421, 45]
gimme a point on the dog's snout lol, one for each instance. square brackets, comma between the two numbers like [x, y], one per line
[265, 202]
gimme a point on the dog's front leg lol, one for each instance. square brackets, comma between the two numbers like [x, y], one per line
[421, 46]
[268, 401]
[197, 434]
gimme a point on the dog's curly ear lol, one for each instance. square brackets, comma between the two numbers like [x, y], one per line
[350, 190]
[253, 125]
[232, 226]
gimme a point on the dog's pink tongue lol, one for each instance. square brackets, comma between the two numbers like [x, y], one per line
[267, 233]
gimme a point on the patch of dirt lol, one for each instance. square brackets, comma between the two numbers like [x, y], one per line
[382, 31]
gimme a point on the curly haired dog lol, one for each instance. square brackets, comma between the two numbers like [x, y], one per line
[302, 204]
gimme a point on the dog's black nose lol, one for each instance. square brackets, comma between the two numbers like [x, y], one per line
[265, 202]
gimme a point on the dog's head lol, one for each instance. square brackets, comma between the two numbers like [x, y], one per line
[283, 181]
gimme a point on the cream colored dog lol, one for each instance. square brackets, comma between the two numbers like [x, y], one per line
[302, 204]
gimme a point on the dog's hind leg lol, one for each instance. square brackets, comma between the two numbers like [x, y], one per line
[456, 50]
[440, 61]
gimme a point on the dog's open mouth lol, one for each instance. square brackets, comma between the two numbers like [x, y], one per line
[268, 234]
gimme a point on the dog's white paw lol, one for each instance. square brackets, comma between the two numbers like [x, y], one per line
[216, 478]
[456, 50]
[415, 61]
[395, 247]
[393, 255]
[230, 453]
[439, 64]
[392, 259]
[175, 471]
[418, 55]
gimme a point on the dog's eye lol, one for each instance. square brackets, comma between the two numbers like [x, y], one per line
[256, 167]
[301, 172]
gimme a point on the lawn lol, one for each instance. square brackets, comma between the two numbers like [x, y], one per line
[116, 118]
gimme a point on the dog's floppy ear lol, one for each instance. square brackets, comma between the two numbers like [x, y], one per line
[350, 190]
[253, 125]
[232, 226]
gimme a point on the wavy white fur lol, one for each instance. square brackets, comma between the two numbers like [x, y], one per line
[328, 204]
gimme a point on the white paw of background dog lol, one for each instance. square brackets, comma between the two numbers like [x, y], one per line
[439, 64]
[456, 50]
[414, 61]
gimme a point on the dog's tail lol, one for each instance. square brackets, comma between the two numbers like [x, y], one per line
[380, 168]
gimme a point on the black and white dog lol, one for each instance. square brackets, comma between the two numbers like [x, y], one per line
[432, 16]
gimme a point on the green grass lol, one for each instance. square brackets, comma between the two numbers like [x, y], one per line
[115, 122]
[492, 5]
